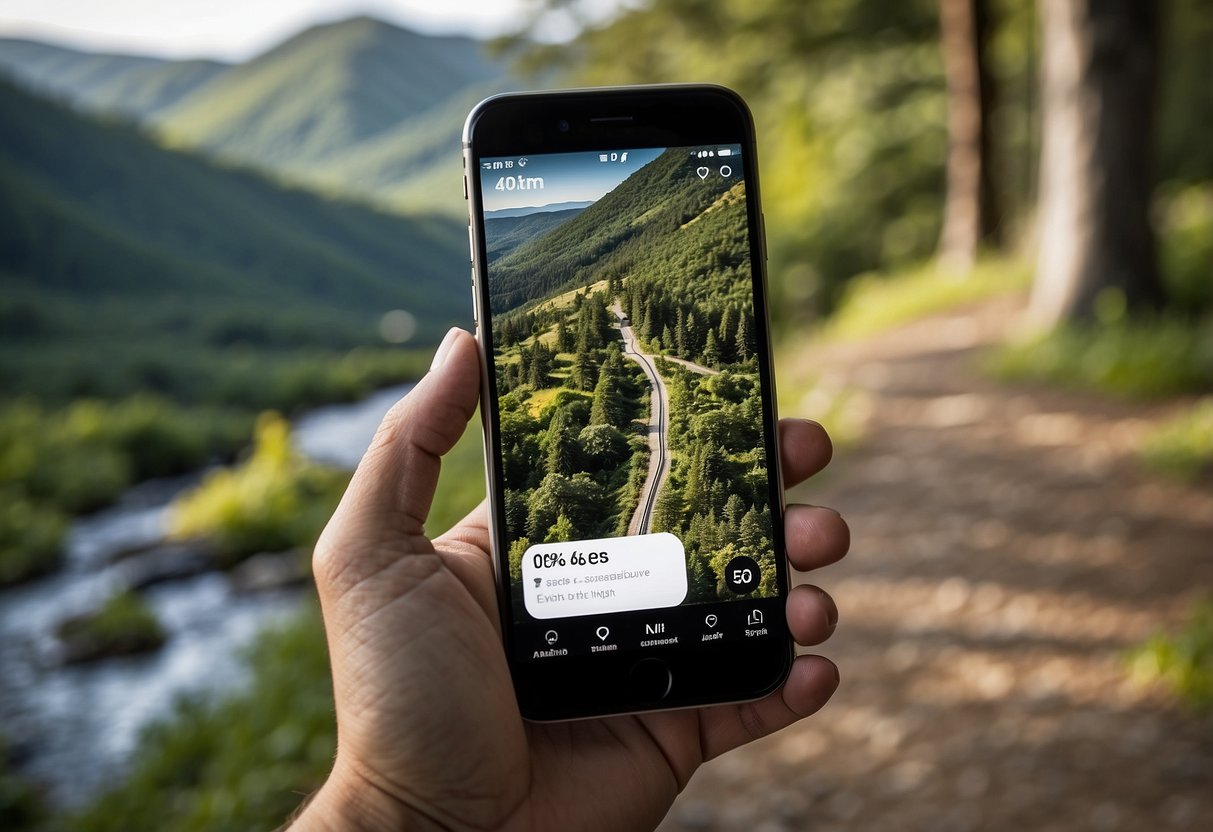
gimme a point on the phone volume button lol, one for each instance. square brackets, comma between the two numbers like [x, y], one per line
[471, 245]
[475, 301]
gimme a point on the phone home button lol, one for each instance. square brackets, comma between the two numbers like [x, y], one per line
[649, 680]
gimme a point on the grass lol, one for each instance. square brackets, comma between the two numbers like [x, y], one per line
[1183, 446]
[877, 302]
[841, 410]
[1182, 661]
[566, 299]
[1132, 359]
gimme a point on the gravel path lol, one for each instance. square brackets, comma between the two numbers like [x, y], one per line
[1008, 549]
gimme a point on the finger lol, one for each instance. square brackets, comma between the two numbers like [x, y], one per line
[804, 449]
[812, 615]
[389, 496]
[815, 536]
[810, 685]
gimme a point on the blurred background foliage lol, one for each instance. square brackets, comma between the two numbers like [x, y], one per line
[168, 275]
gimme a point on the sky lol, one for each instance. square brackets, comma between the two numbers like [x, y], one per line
[238, 29]
[567, 177]
[581, 177]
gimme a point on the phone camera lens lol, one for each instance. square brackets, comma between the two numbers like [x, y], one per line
[562, 126]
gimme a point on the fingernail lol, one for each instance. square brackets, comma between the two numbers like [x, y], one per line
[444, 348]
[831, 608]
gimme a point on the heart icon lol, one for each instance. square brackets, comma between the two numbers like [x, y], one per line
[703, 172]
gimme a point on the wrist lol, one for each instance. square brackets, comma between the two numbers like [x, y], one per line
[348, 802]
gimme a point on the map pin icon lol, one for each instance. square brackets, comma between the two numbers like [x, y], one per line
[703, 172]
[603, 632]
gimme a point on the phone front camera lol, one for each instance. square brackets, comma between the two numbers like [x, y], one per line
[562, 126]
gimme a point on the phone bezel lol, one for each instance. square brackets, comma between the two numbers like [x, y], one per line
[663, 115]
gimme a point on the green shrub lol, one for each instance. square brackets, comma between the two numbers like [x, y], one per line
[21, 806]
[1184, 660]
[1183, 447]
[85, 455]
[124, 624]
[31, 538]
[1186, 246]
[876, 302]
[1138, 359]
[275, 500]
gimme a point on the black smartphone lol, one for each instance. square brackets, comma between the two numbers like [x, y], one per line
[619, 288]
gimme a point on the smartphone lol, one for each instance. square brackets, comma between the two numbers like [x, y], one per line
[619, 289]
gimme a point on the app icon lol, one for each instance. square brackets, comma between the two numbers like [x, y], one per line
[603, 632]
[726, 171]
[551, 636]
[755, 617]
[702, 171]
[710, 619]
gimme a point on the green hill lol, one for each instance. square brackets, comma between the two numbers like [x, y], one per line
[504, 234]
[357, 106]
[606, 239]
[133, 85]
[126, 266]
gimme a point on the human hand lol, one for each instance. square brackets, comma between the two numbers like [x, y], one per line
[429, 733]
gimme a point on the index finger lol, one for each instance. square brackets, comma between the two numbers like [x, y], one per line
[804, 449]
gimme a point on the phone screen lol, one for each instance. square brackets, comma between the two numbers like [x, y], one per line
[625, 362]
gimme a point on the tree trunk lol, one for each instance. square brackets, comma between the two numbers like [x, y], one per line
[970, 215]
[1097, 91]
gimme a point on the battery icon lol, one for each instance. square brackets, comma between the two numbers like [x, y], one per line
[724, 151]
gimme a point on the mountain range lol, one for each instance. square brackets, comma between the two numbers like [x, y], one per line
[359, 107]
[114, 249]
[641, 215]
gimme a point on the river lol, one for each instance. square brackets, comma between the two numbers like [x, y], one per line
[73, 728]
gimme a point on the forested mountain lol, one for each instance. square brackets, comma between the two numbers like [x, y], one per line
[132, 85]
[504, 234]
[357, 107]
[109, 242]
[604, 240]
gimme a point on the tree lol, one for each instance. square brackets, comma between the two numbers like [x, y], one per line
[667, 514]
[711, 353]
[562, 445]
[745, 343]
[561, 531]
[608, 407]
[604, 445]
[1097, 79]
[970, 212]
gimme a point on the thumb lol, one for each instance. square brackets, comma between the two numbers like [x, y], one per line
[389, 497]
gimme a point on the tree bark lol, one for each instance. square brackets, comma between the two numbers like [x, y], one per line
[1097, 91]
[970, 212]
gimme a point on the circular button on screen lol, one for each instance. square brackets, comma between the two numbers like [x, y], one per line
[742, 574]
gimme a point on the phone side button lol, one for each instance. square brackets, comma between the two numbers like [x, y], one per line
[650, 681]
[475, 302]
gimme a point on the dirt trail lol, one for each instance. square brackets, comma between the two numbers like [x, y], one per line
[1008, 549]
[658, 430]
